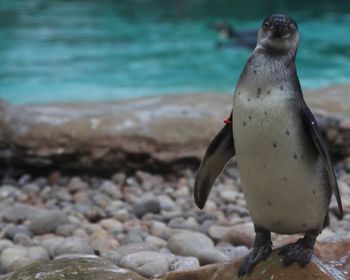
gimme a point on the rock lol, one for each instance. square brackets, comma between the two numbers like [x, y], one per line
[270, 269]
[9, 255]
[181, 223]
[21, 262]
[135, 236]
[156, 241]
[103, 245]
[65, 229]
[20, 212]
[134, 248]
[233, 252]
[111, 225]
[187, 243]
[3, 270]
[73, 268]
[73, 245]
[4, 243]
[46, 221]
[229, 196]
[147, 205]
[113, 136]
[147, 264]
[11, 230]
[179, 263]
[22, 239]
[76, 185]
[111, 189]
[51, 244]
[241, 234]
[37, 253]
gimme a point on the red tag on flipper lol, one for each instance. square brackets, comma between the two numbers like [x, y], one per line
[227, 121]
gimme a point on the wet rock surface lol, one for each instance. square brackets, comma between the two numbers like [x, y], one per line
[155, 133]
[73, 269]
[270, 269]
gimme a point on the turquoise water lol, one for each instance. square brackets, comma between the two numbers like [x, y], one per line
[62, 50]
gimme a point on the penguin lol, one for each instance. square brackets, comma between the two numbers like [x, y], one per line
[230, 37]
[286, 173]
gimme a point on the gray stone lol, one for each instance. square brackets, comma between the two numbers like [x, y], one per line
[22, 239]
[46, 221]
[51, 244]
[233, 252]
[184, 263]
[187, 243]
[111, 189]
[37, 253]
[11, 230]
[103, 245]
[20, 212]
[4, 243]
[73, 245]
[9, 255]
[134, 248]
[148, 264]
[147, 205]
[135, 236]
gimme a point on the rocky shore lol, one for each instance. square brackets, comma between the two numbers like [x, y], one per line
[158, 134]
[138, 220]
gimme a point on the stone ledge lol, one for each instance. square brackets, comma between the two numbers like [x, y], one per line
[155, 133]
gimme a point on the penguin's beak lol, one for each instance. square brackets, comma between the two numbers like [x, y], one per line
[279, 27]
[280, 31]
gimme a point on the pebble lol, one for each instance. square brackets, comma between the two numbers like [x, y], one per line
[103, 245]
[111, 225]
[118, 218]
[51, 244]
[187, 243]
[9, 255]
[147, 264]
[22, 239]
[46, 221]
[4, 243]
[11, 230]
[73, 245]
[233, 252]
[156, 241]
[147, 205]
[134, 248]
[111, 189]
[37, 253]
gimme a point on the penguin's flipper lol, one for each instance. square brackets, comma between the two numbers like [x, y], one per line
[219, 152]
[313, 131]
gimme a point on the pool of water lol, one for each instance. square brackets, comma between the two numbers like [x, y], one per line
[62, 50]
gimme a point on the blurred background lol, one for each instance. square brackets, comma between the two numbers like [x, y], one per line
[62, 50]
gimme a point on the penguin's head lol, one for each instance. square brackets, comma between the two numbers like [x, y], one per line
[279, 33]
[224, 29]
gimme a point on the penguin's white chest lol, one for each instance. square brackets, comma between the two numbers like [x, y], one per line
[280, 174]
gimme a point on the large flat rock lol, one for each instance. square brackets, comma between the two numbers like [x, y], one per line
[155, 133]
[78, 268]
[272, 268]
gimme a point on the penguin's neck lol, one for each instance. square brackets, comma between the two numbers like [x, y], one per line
[268, 70]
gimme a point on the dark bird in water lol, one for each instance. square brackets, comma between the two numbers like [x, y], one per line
[230, 37]
[286, 172]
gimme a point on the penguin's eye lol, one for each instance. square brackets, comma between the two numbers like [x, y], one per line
[266, 24]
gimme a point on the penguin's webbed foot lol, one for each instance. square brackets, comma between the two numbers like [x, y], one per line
[258, 254]
[300, 251]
